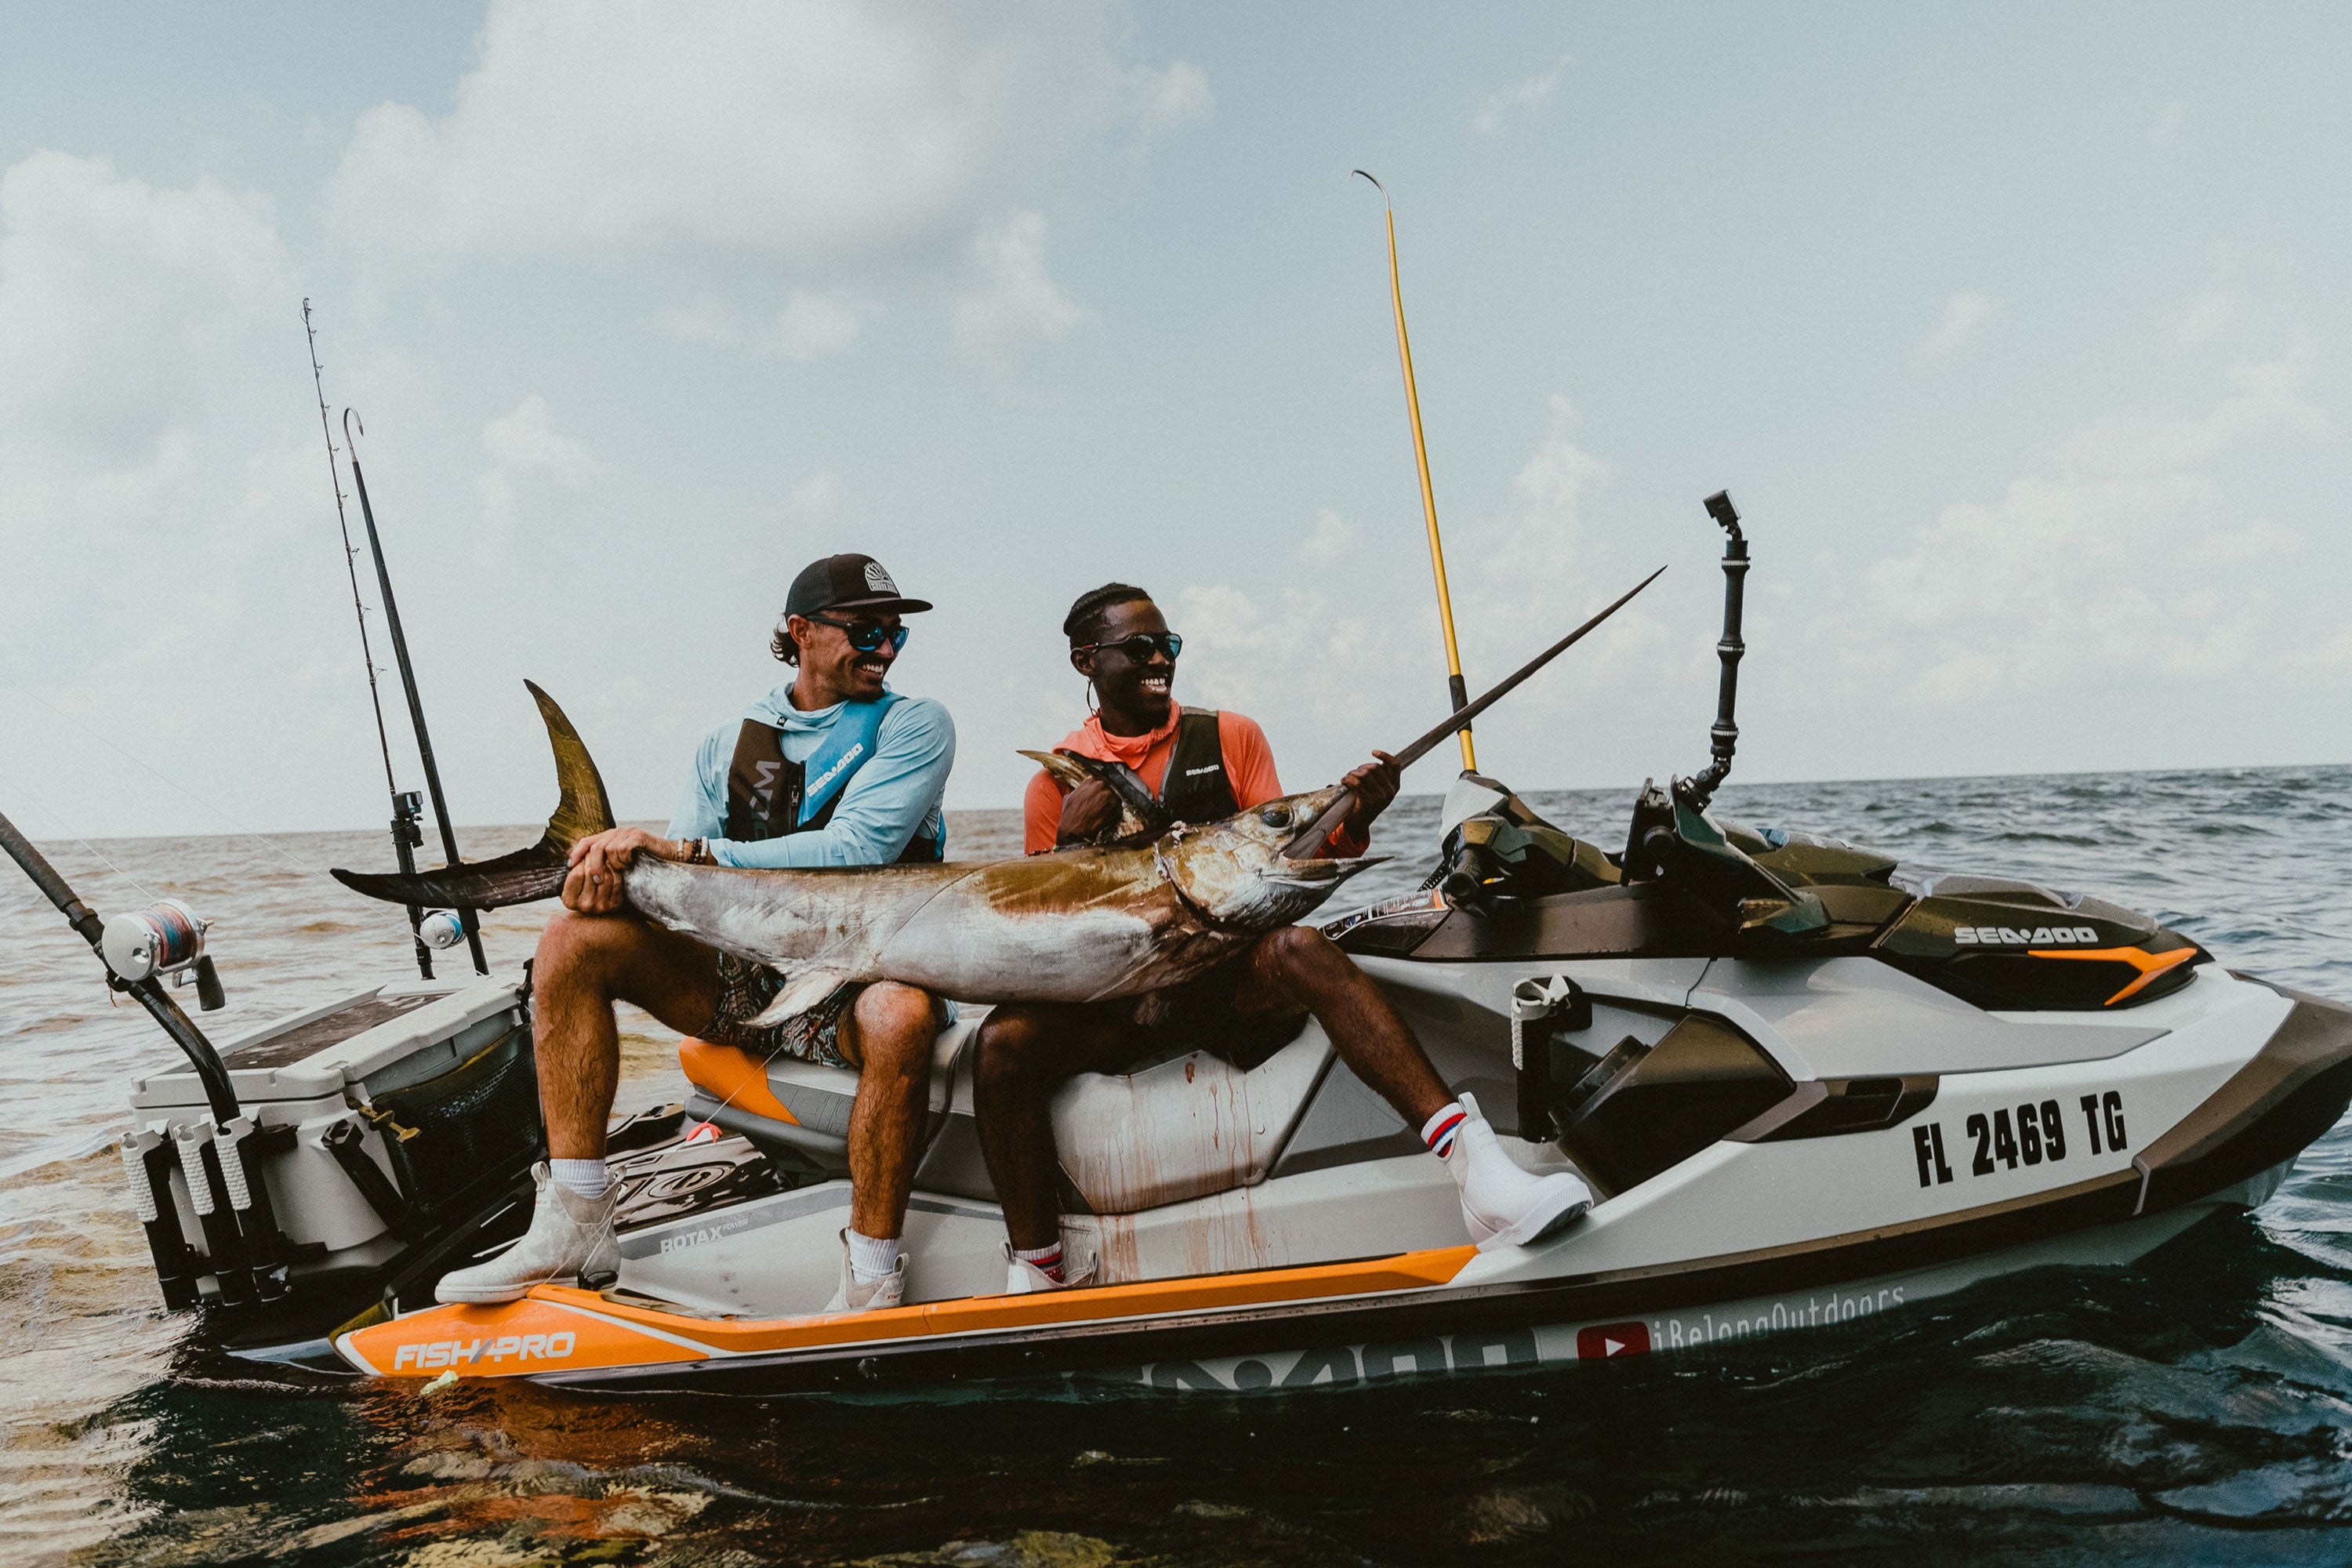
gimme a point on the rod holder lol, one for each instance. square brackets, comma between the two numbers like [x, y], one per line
[1724, 734]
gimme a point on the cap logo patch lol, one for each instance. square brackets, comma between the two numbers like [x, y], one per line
[879, 580]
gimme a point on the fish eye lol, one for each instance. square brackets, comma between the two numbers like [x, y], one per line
[1276, 817]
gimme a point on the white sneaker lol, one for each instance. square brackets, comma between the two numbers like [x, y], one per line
[1503, 1205]
[570, 1236]
[1023, 1277]
[855, 1295]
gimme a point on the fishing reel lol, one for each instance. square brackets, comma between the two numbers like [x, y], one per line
[441, 929]
[166, 940]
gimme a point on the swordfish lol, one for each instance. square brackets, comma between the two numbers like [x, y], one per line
[1077, 925]
[1082, 924]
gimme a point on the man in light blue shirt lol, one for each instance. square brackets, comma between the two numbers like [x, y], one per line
[833, 769]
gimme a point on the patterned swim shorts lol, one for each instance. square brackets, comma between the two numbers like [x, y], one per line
[745, 990]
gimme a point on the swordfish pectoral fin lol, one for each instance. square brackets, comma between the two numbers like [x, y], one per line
[527, 873]
[804, 991]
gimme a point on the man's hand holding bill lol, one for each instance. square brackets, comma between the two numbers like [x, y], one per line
[1374, 785]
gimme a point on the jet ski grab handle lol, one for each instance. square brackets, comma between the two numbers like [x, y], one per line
[1307, 845]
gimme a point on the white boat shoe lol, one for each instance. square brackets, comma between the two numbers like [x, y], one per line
[571, 1237]
[1503, 1205]
[855, 1295]
[1023, 1277]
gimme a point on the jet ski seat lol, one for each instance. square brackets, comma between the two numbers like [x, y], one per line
[1177, 1127]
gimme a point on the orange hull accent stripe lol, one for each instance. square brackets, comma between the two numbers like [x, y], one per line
[2149, 964]
[608, 1333]
[509, 1340]
[731, 1076]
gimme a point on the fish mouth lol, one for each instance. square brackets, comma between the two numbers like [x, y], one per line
[1319, 873]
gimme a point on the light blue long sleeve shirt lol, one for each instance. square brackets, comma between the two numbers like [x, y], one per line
[886, 802]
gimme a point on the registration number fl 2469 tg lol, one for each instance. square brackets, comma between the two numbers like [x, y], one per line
[2032, 1132]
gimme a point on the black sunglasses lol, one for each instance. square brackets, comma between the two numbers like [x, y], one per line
[1141, 647]
[867, 637]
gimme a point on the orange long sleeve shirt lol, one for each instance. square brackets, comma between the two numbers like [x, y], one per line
[1249, 769]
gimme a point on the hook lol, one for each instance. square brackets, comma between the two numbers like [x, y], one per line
[348, 415]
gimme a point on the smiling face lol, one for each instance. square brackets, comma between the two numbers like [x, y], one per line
[1135, 696]
[832, 668]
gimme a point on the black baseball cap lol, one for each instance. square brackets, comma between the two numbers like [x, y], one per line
[848, 583]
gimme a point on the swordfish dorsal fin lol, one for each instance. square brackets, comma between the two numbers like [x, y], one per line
[1140, 815]
[527, 873]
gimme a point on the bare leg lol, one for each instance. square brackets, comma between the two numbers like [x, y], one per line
[887, 1035]
[1298, 966]
[585, 963]
[1025, 1052]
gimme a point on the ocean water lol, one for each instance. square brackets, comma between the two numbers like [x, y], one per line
[2196, 1407]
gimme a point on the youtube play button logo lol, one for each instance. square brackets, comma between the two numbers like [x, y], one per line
[1605, 1339]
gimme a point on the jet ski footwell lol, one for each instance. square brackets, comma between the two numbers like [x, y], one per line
[1425, 1311]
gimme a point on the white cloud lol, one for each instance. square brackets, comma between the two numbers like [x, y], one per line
[1330, 543]
[1013, 306]
[1168, 100]
[2128, 559]
[723, 150]
[815, 326]
[1964, 314]
[2206, 317]
[1529, 94]
[527, 458]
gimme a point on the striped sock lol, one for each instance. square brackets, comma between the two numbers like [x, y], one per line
[1439, 1130]
[1047, 1259]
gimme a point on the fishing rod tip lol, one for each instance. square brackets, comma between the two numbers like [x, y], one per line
[1376, 184]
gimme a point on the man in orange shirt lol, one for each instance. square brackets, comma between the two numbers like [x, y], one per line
[1204, 766]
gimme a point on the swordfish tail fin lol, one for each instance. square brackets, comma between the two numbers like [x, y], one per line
[527, 873]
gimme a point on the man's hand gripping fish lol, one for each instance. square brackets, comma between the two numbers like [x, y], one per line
[1075, 925]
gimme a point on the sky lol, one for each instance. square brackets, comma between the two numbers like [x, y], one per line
[2018, 334]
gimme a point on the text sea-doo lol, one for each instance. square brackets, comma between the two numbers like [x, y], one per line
[1808, 1083]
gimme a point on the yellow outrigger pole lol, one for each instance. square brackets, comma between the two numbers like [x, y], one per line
[1460, 692]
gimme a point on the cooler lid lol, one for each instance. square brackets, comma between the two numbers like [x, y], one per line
[317, 1052]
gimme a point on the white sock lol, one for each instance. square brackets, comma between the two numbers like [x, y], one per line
[1048, 1259]
[872, 1258]
[585, 1178]
[1439, 1130]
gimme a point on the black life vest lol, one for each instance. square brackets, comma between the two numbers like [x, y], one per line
[1195, 788]
[769, 796]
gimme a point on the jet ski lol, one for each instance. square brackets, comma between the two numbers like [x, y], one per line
[1809, 1084]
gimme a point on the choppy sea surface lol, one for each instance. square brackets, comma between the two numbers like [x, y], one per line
[2195, 1407]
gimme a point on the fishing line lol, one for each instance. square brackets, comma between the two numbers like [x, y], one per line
[152, 897]
[217, 811]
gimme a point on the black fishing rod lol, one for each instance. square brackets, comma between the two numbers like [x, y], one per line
[466, 917]
[1308, 842]
[221, 1163]
[406, 835]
